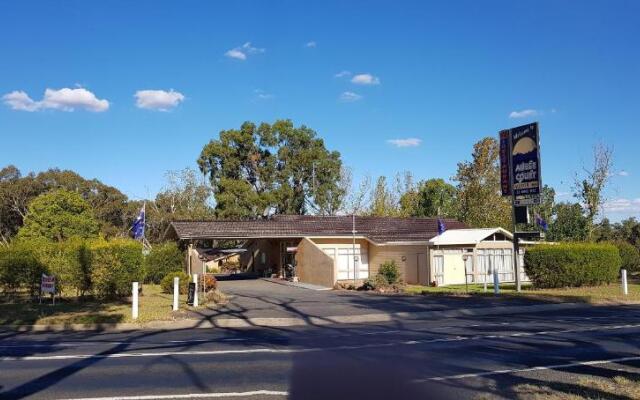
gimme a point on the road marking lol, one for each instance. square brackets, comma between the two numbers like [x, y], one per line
[314, 349]
[191, 395]
[530, 369]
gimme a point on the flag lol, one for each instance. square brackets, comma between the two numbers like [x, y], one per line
[138, 225]
[441, 227]
[541, 222]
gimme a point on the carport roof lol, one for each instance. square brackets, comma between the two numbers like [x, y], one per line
[376, 229]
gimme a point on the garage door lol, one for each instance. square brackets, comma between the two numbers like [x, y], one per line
[344, 262]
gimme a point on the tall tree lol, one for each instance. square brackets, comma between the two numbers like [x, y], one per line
[272, 165]
[479, 194]
[59, 215]
[591, 183]
[569, 224]
[433, 197]
[384, 202]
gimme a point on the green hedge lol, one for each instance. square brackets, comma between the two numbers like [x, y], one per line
[572, 264]
[166, 283]
[115, 265]
[21, 268]
[163, 259]
[630, 256]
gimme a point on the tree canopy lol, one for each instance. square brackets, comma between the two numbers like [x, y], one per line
[276, 165]
[59, 215]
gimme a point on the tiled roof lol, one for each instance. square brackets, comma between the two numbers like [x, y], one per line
[377, 229]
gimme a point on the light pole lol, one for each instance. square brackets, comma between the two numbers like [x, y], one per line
[355, 258]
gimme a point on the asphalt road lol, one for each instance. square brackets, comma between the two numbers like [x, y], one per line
[447, 358]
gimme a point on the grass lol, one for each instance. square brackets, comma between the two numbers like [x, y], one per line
[583, 388]
[153, 306]
[606, 294]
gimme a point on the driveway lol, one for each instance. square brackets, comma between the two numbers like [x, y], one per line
[258, 298]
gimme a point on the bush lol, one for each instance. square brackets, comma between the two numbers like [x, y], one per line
[166, 283]
[21, 268]
[215, 296]
[630, 256]
[162, 259]
[70, 263]
[115, 265]
[208, 281]
[390, 272]
[572, 264]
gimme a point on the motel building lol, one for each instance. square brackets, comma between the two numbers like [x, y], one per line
[324, 250]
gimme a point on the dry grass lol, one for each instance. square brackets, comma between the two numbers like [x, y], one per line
[606, 294]
[153, 306]
[584, 388]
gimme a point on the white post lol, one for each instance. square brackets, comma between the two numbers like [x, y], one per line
[134, 305]
[625, 289]
[496, 281]
[195, 295]
[176, 292]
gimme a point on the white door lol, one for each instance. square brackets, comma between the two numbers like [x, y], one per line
[345, 263]
[438, 269]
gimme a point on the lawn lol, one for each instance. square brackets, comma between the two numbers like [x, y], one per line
[606, 294]
[153, 306]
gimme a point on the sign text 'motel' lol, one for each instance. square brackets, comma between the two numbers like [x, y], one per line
[520, 165]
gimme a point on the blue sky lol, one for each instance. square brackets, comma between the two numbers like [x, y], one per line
[445, 74]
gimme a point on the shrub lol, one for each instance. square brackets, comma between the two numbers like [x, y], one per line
[208, 281]
[162, 259]
[215, 296]
[630, 256]
[390, 272]
[20, 267]
[70, 263]
[572, 264]
[115, 265]
[166, 283]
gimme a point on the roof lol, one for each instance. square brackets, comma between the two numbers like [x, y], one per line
[376, 229]
[466, 236]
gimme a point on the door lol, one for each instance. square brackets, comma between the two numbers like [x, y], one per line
[345, 263]
[438, 270]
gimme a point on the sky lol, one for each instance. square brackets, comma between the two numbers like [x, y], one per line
[125, 91]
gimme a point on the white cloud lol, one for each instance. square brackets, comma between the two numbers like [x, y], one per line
[342, 74]
[365, 79]
[262, 95]
[622, 205]
[159, 100]
[241, 53]
[407, 142]
[310, 44]
[19, 100]
[523, 113]
[65, 99]
[623, 173]
[349, 97]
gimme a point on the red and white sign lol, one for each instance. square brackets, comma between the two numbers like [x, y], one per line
[48, 284]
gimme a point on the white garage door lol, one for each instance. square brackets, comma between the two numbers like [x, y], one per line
[344, 262]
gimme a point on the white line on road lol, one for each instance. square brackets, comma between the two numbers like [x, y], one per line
[530, 369]
[315, 349]
[191, 395]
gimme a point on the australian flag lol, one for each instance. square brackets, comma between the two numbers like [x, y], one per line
[541, 222]
[441, 226]
[138, 225]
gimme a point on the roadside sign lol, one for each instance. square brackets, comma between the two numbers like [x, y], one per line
[526, 184]
[48, 284]
[191, 294]
[505, 162]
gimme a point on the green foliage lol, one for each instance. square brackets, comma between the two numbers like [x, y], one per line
[569, 224]
[390, 272]
[59, 215]
[163, 259]
[433, 198]
[572, 264]
[167, 282]
[21, 268]
[630, 256]
[256, 166]
[69, 262]
[480, 203]
[115, 265]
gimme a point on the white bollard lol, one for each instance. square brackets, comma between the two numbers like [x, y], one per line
[496, 282]
[134, 303]
[176, 292]
[195, 295]
[625, 289]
